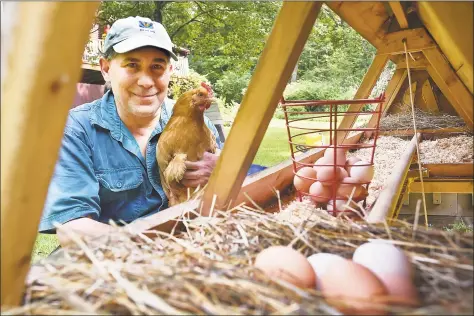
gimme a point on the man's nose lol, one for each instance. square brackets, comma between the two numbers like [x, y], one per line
[145, 81]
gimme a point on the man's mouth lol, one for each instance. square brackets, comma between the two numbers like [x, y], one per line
[144, 95]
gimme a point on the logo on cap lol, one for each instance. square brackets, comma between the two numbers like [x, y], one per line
[145, 25]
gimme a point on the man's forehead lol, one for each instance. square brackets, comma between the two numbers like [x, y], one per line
[146, 53]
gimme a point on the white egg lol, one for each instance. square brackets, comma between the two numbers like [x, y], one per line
[381, 258]
[362, 173]
[391, 266]
[321, 262]
[340, 205]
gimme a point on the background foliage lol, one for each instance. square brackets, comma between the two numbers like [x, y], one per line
[226, 39]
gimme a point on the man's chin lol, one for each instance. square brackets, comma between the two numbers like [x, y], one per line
[145, 110]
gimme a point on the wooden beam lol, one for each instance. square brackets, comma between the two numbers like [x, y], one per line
[429, 97]
[418, 64]
[464, 187]
[411, 132]
[450, 84]
[450, 170]
[271, 75]
[417, 40]
[37, 93]
[451, 26]
[389, 198]
[399, 13]
[365, 88]
[393, 87]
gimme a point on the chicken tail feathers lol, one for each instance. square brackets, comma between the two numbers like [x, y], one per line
[176, 168]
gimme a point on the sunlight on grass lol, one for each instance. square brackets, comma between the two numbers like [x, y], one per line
[44, 245]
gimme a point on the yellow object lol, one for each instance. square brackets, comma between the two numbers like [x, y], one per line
[313, 139]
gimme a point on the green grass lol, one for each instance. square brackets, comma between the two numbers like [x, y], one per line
[274, 147]
[459, 226]
[44, 245]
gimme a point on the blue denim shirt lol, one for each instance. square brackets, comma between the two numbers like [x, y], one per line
[101, 172]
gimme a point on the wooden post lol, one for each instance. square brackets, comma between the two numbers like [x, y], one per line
[450, 84]
[38, 90]
[365, 88]
[399, 13]
[282, 50]
[387, 201]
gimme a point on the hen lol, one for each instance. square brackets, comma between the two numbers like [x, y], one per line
[185, 137]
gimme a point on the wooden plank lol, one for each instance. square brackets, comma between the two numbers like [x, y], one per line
[393, 87]
[451, 86]
[417, 40]
[451, 24]
[46, 52]
[442, 187]
[387, 202]
[450, 170]
[406, 94]
[399, 13]
[271, 75]
[411, 132]
[365, 88]
[420, 63]
[429, 97]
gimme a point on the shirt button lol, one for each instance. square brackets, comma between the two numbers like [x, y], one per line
[119, 184]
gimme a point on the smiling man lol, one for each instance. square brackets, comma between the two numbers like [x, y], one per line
[107, 168]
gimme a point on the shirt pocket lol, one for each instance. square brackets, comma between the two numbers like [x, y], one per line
[119, 184]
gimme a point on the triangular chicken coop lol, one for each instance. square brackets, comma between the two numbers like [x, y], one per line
[44, 66]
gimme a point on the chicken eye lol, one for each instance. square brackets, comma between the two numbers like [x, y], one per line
[200, 94]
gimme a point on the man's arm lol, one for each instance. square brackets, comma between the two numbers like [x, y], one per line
[83, 227]
[73, 194]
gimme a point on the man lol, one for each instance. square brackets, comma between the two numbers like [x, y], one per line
[107, 166]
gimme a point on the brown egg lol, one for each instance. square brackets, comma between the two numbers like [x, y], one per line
[340, 155]
[351, 288]
[303, 184]
[350, 162]
[328, 175]
[319, 192]
[320, 161]
[346, 186]
[288, 264]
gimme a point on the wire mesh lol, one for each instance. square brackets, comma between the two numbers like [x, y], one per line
[314, 126]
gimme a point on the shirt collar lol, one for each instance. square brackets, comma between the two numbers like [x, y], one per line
[105, 115]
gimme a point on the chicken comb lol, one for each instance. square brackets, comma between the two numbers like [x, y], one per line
[208, 88]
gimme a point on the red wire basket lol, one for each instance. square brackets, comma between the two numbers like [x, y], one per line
[335, 182]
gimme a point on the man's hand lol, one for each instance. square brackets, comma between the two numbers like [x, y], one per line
[198, 173]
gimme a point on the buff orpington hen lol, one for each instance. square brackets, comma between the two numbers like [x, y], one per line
[185, 137]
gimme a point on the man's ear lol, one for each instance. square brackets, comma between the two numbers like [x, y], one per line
[104, 68]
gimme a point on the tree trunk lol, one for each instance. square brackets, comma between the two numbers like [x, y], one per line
[158, 13]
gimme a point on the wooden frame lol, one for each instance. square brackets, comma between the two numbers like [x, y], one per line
[461, 187]
[279, 57]
[417, 40]
[399, 13]
[450, 84]
[33, 117]
[389, 200]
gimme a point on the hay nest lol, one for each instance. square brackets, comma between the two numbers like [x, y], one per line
[207, 268]
[424, 120]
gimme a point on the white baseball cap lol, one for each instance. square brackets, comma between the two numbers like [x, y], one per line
[134, 32]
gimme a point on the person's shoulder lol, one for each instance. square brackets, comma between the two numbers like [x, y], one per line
[79, 118]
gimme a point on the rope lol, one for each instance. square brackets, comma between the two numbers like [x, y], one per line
[416, 138]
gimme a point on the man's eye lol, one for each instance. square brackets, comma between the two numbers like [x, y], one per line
[157, 67]
[132, 65]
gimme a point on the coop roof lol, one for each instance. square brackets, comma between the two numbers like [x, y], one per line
[439, 36]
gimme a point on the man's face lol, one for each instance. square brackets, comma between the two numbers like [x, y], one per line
[139, 80]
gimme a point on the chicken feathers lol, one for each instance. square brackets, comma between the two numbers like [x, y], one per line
[185, 137]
